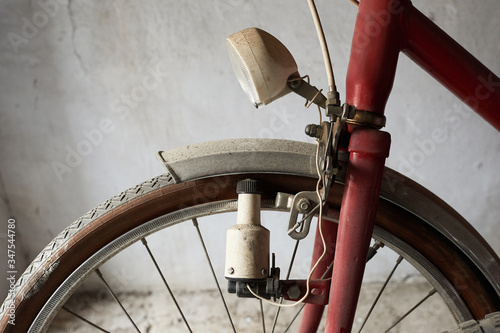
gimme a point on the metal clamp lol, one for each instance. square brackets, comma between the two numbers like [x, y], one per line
[329, 134]
[294, 290]
[364, 118]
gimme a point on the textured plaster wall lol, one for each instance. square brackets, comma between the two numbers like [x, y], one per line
[89, 91]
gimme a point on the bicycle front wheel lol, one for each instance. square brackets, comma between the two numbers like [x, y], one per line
[162, 203]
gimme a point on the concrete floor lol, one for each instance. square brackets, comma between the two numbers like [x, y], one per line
[155, 312]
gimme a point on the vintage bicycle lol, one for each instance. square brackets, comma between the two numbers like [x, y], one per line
[360, 205]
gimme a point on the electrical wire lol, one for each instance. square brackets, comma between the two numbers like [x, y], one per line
[354, 2]
[333, 88]
[324, 46]
[320, 226]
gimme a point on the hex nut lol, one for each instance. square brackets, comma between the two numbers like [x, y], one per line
[293, 292]
[303, 205]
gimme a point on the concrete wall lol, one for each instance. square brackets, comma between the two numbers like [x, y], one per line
[89, 91]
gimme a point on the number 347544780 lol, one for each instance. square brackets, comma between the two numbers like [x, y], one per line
[11, 246]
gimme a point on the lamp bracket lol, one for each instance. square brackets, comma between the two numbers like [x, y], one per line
[309, 92]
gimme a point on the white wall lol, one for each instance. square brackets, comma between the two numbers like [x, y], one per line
[72, 77]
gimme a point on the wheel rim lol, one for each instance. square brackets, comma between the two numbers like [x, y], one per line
[161, 198]
[437, 280]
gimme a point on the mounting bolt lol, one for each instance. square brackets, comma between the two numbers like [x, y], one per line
[230, 270]
[295, 84]
[293, 292]
[264, 271]
[313, 130]
[303, 205]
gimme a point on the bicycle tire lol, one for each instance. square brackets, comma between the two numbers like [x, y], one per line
[163, 195]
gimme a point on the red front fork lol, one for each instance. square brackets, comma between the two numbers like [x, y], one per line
[384, 28]
[368, 150]
[348, 241]
[372, 66]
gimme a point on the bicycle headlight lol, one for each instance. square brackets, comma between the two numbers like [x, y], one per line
[262, 64]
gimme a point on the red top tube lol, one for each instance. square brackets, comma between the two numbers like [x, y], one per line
[386, 27]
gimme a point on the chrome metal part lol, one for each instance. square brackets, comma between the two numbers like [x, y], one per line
[329, 145]
[294, 290]
[313, 130]
[298, 158]
[337, 128]
[490, 324]
[305, 203]
[372, 251]
[324, 136]
[363, 118]
[309, 92]
[284, 201]
[366, 119]
[45, 316]
[240, 155]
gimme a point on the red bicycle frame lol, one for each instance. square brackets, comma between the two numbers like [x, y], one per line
[383, 29]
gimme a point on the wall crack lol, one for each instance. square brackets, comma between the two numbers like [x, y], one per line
[73, 39]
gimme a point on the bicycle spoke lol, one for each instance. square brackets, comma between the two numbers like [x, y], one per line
[195, 223]
[287, 277]
[294, 318]
[276, 315]
[262, 316]
[373, 252]
[432, 292]
[328, 269]
[99, 274]
[389, 277]
[85, 320]
[145, 243]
